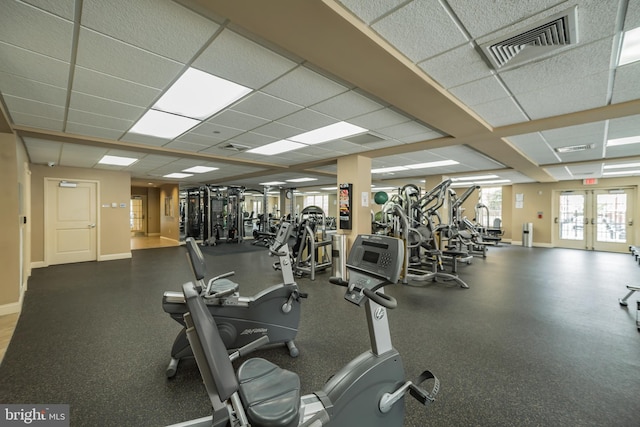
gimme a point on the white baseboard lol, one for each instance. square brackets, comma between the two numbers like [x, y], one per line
[112, 257]
[14, 307]
[38, 264]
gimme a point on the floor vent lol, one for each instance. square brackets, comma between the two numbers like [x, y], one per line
[535, 40]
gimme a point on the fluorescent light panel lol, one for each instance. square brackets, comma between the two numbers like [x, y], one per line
[622, 166]
[177, 175]
[623, 141]
[328, 133]
[630, 51]
[199, 95]
[389, 169]
[631, 172]
[474, 178]
[277, 147]
[200, 169]
[272, 183]
[436, 164]
[163, 125]
[302, 179]
[117, 160]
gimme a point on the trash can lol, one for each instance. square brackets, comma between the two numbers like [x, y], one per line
[527, 234]
[339, 256]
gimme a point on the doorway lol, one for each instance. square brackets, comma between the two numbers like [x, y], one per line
[138, 216]
[599, 219]
[70, 221]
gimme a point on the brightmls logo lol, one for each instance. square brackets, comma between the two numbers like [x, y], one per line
[34, 415]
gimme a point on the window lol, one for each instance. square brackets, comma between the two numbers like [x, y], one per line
[320, 200]
[491, 197]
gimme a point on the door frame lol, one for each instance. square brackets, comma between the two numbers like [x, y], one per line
[589, 241]
[47, 214]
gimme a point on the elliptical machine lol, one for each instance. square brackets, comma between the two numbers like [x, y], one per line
[274, 312]
[368, 391]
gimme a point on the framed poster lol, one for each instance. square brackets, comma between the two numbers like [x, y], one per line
[344, 205]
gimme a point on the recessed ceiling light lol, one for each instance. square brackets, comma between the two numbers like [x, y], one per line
[432, 164]
[474, 178]
[621, 166]
[574, 148]
[328, 133]
[630, 51]
[302, 179]
[200, 169]
[163, 125]
[277, 147]
[631, 172]
[623, 141]
[199, 95]
[329, 188]
[117, 161]
[178, 175]
[389, 169]
[272, 183]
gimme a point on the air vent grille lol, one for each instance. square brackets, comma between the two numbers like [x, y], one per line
[234, 147]
[365, 138]
[540, 38]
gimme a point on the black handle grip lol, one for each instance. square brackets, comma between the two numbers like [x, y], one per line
[384, 300]
[339, 281]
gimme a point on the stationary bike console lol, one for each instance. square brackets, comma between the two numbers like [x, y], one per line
[374, 261]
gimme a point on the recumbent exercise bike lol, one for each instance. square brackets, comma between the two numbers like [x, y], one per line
[274, 312]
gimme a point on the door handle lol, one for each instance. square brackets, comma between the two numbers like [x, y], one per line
[630, 222]
[92, 226]
[555, 220]
[593, 221]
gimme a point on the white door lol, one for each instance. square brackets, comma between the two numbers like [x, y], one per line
[599, 219]
[70, 221]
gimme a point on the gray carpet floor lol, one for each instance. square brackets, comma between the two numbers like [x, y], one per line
[538, 340]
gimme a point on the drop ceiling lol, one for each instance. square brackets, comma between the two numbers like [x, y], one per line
[76, 75]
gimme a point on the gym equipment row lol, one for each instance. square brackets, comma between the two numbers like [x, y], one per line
[635, 251]
[368, 391]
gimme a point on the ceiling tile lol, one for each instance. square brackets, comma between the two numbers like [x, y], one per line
[37, 122]
[86, 130]
[266, 106]
[33, 66]
[144, 139]
[216, 131]
[480, 91]
[591, 133]
[26, 106]
[105, 107]
[33, 29]
[623, 127]
[115, 58]
[422, 136]
[277, 130]
[237, 120]
[161, 26]
[204, 141]
[535, 147]
[368, 11]
[184, 145]
[578, 95]
[83, 156]
[456, 66]
[347, 105]
[79, 116]
[625, 84]
[304, 87]
[559, 173]
[42, 151]
[109, 87]
[62, 8]
[633, 15]
[242, 61]
[307, 119]
[500, 112]
[593, 170]
[30, 89]
[480, 18]
[379, 119]
[568, 67]
[420, 29]
[403, 130]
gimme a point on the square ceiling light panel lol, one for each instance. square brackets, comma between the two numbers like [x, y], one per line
[117, 160]
[630, 51]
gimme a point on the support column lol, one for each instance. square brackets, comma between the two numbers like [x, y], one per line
[356, 170]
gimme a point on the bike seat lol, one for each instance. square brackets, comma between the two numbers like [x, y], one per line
[270, 394]
[222, 287]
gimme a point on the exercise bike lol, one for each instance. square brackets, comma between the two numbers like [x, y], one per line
[273, 312]
[368, 391]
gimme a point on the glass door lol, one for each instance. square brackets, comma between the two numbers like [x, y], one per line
[137, 219]
[599, 220]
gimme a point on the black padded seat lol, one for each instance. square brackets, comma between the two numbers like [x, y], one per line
[271, 395]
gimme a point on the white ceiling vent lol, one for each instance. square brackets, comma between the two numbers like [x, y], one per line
[234, 147]
[537, 39]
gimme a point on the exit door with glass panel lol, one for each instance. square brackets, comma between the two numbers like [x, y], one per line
[596, 219]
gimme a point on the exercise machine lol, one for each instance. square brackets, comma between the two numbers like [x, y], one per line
[312, 249]
[368, 391]
[273, 312]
